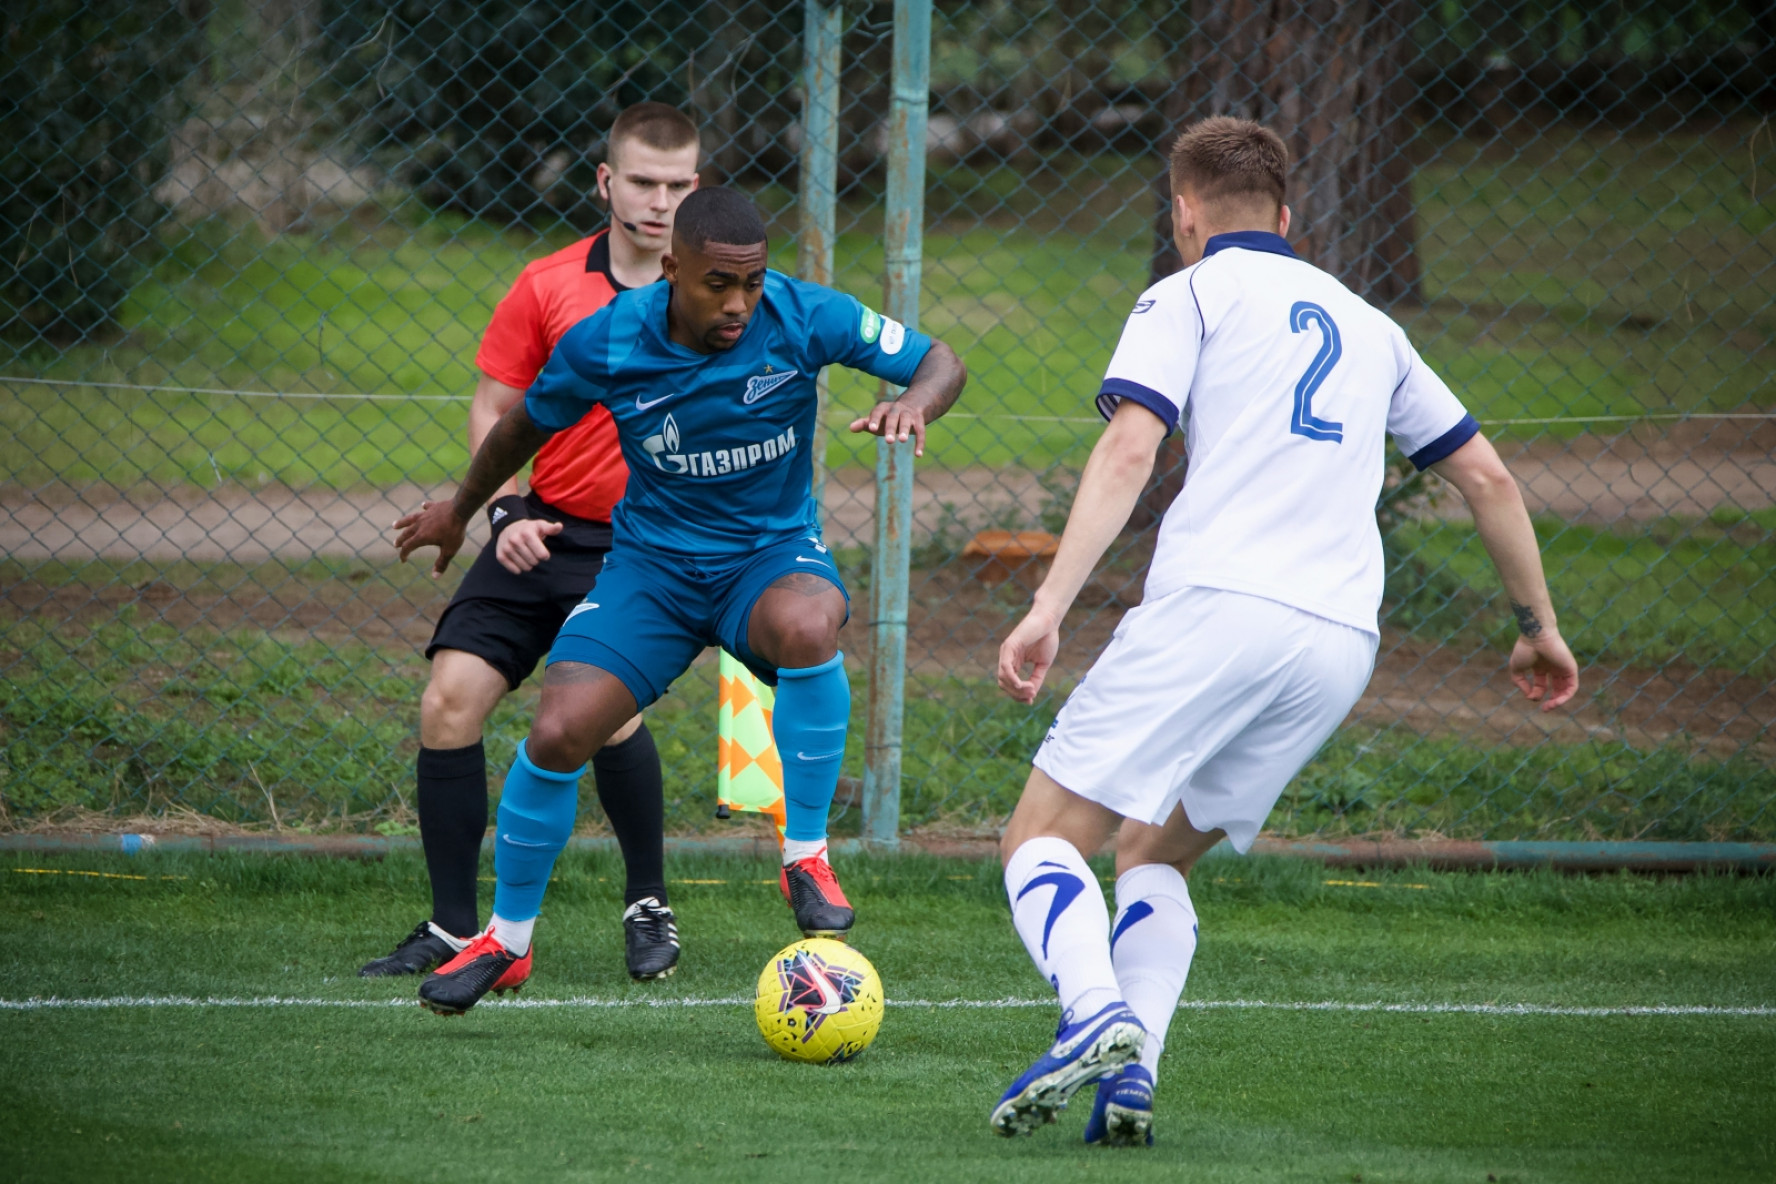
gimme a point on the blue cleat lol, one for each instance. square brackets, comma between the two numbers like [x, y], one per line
[1082, 1052]
[1123, 1114]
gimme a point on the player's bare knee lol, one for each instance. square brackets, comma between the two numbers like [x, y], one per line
[558, 742]
[806, 643]
[796, 622]
[449, 715]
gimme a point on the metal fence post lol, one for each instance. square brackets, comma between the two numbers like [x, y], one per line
[822, 32]
[904, 242]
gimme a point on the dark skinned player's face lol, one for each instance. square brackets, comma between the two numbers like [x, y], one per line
[715, 289]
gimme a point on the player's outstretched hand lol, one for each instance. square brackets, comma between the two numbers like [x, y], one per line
[1033, 643]
[521, 546]
[434, 525]
[1544, 669]
[895, 421]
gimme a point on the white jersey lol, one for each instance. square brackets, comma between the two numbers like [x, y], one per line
[1287, 383]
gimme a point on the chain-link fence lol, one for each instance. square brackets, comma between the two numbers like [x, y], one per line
[249, 250]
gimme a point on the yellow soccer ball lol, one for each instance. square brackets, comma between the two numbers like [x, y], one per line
[819, 1001]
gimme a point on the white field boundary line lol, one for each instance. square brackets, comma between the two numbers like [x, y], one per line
[370, 397]
[119, 1002]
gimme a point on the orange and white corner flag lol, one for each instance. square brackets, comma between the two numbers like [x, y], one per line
[749, 773]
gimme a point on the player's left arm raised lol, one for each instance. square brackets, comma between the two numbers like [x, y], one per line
[513, 441]
[934, 388]
[559, 398]
[1115, 474]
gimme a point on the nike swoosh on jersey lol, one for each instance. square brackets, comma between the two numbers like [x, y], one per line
[640, 406]
[580, 608]
[805, 559]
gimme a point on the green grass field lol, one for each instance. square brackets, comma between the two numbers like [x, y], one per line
[1571, 276]
[332, 1083]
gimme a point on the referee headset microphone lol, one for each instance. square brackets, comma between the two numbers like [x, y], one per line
[610, 207]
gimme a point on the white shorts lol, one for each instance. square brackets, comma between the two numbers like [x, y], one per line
[1207, 699]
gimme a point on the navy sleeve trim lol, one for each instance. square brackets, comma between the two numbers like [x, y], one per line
[1445, 444]
[1115, 390]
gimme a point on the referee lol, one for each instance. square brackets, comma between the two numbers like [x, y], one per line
[545, 554]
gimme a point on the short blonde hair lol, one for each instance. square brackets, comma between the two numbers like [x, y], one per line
[1227, 159]
[655, 124]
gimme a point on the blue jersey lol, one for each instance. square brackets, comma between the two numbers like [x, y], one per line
[720, 446]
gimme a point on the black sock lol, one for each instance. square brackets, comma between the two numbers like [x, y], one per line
[452, 823]
[633, 796]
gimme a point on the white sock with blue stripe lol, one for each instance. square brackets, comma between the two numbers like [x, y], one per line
[1059, 911]
[1151, 945]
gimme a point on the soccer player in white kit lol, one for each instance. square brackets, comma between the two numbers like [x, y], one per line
[1258, 628]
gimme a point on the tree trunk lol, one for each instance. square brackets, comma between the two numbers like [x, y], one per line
[1329, 77]
[714, 80]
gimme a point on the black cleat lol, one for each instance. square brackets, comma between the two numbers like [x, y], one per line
[650, 939]
[418, 952]
[812, 890]
[485, 966]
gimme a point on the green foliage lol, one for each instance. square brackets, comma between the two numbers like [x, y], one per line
[88, 91]
[1373, 780]
[134, 715]
[477, 95]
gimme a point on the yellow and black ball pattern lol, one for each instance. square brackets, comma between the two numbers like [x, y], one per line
[819, 1001]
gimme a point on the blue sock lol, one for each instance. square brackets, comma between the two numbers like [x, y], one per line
[809, 722]
[536, 816]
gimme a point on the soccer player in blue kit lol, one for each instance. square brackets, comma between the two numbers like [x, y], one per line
[711, 380]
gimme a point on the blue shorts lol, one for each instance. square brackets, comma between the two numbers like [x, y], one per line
[652, 614]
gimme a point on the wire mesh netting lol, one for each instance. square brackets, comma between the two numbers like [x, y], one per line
[250, 249]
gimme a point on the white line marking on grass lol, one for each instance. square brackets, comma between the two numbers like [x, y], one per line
[114, 1002]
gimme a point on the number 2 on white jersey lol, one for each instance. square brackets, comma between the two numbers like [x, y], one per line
[1302, 421]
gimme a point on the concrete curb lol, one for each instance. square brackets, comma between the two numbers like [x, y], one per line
[1439, 855]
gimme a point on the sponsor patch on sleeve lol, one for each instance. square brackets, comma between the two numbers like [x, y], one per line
[893, 335]
[871, 326]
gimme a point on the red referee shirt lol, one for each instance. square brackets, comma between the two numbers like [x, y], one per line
[579, 471]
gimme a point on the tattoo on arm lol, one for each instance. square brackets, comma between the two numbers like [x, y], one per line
[1526, 620]
[511, 442]
[938, 382]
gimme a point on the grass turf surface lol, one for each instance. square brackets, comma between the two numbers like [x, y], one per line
[391, 1093]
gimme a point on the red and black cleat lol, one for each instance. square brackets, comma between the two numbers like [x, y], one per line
[812, 890]
[484, 965]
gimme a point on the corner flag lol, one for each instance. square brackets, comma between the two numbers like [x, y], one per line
[749, 773]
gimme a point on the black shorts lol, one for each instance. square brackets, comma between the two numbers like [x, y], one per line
[510, 621]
